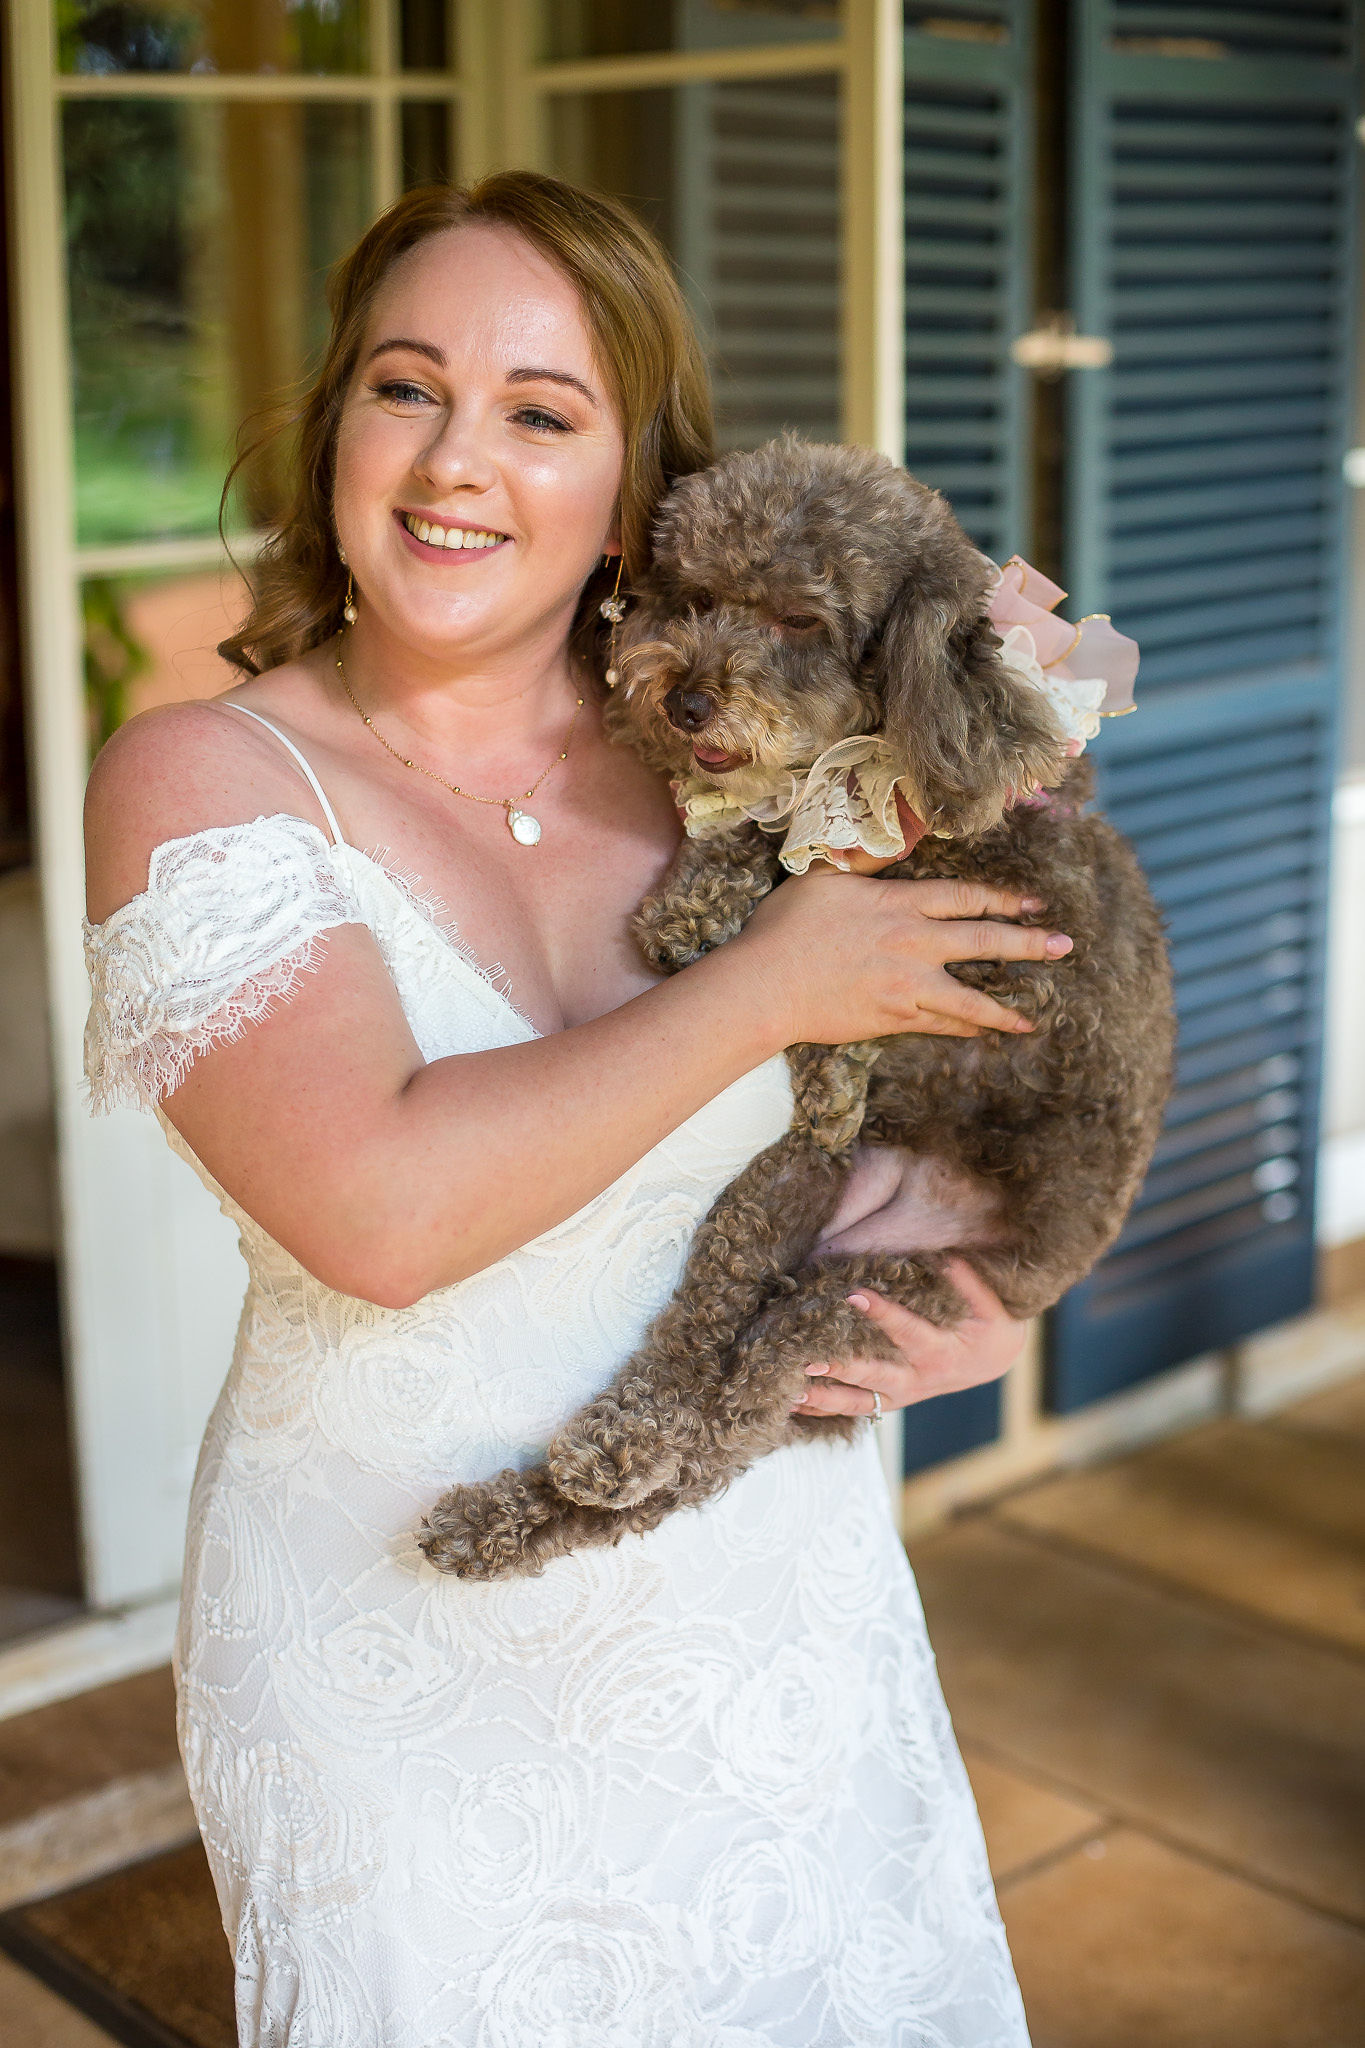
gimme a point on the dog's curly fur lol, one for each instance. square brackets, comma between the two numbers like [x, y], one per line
[807, 594]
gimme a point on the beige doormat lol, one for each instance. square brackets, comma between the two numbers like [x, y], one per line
[141, 1953]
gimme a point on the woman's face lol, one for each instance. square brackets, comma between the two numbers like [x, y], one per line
[477, 415]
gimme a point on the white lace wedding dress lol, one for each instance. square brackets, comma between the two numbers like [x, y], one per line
[697, 1791]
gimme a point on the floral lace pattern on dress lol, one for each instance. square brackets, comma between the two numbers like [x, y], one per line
[698, 1791]
[227, 925]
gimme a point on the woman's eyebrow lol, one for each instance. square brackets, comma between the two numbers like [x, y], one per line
[418, 348]
[537, 376]
[530, 374]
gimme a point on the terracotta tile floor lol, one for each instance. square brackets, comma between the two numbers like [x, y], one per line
[1157, 1673]
[31, 2016]
[82, 1745]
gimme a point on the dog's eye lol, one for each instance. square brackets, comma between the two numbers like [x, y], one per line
[800, 622]
[702, 603]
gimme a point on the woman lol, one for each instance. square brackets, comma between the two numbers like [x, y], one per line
[698, 1789]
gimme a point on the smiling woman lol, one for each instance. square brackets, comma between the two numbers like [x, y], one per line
[637, 329]
[465, 1190]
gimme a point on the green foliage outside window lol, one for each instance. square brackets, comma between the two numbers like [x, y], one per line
[114, 658]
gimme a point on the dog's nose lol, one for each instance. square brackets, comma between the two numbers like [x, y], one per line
[688, 709]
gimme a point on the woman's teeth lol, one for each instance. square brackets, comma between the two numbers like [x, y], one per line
[449, 536]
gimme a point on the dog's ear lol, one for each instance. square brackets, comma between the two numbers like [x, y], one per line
[971, 733]
[629, 708]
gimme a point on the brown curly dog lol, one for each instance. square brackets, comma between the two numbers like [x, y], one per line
[798, 596]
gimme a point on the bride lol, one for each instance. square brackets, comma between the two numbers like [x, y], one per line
[359, 933]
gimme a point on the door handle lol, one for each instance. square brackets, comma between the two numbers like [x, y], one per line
[1054, 346]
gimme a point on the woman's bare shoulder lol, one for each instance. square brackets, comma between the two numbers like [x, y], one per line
[172, 772]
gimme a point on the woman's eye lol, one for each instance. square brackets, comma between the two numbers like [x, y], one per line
[541, 421]
[399, 392]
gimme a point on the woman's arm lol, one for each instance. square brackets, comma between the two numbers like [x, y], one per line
[386, 1176]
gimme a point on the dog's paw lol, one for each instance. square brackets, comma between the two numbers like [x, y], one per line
[609, 1470]
[488, 1531]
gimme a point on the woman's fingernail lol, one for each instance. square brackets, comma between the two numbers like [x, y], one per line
[799, 1401]
[816, 1368]
[1057, 943]
[858, 1301]
[1033, 903]
[1021, 1024]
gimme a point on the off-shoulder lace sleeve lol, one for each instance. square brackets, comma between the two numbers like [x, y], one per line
[227, 924]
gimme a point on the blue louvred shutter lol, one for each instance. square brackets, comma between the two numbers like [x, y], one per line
[756, 239]
[968, 259]
[968, 292]
[1212, 243]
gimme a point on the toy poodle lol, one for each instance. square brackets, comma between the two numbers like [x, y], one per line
[814, 635]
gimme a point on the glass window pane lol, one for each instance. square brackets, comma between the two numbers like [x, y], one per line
[211, 35]
[153, 640]
[610, 28]
[424, 35]
[427, 141]
[740, 179]
[198, 238]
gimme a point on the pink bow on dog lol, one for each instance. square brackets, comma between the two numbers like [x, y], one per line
[1086, 670]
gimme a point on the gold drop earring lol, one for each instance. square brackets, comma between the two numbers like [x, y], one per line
[348, 610]
[613, 608]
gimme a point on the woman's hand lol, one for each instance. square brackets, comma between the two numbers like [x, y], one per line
[882, 950]
[928, 1360]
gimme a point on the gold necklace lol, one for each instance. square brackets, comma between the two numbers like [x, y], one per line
[523, 827]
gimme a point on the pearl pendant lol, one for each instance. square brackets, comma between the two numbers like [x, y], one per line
[523, 827]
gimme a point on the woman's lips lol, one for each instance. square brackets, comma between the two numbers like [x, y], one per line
[428, 551]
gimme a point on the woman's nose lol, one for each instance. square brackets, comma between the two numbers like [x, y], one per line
[457, 455]
[688, 709]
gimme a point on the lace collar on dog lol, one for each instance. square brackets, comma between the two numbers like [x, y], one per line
[847, 798]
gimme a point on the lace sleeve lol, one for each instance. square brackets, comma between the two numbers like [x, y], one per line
[228, 923]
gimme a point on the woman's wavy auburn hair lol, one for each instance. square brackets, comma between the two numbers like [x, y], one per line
[644, 341]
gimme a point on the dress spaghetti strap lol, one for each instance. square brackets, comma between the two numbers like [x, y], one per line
[317, 788]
